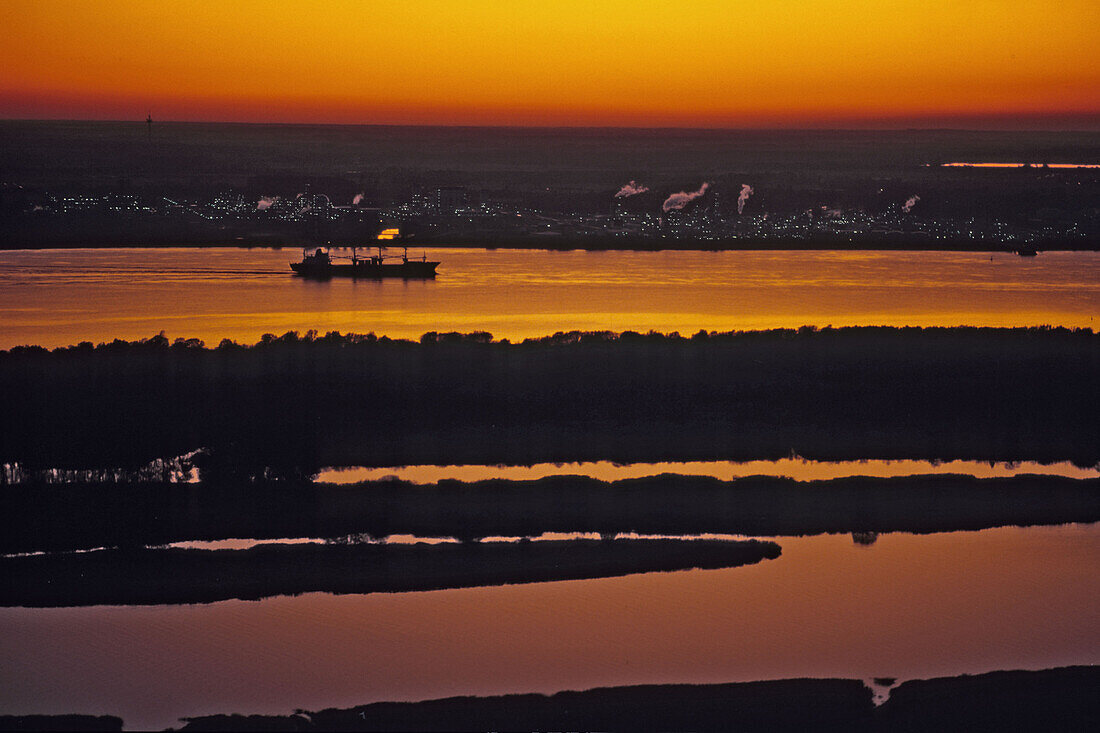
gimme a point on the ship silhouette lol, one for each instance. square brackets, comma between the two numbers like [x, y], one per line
[320, 264]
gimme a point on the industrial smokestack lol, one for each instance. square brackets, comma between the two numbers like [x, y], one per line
[746, 191]
[631, 189]
[910, 203]
[681, 199]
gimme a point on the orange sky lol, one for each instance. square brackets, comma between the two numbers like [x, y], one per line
[697, 63]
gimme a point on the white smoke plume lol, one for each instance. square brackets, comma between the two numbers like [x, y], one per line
[746, 191]
[631, 189]
[910, 203]
[265, 203]
[357, 200]
[681, 199]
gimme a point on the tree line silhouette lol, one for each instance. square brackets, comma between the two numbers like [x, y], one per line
[291, 404]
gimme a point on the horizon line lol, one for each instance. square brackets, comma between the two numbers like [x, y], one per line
[685, 128]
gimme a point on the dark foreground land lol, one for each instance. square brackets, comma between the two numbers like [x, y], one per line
[62, 517]
[1058, 699]
[1061, 699]
[291, 405]
[171, 575]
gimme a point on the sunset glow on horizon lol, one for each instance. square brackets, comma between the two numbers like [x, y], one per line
[784, 63]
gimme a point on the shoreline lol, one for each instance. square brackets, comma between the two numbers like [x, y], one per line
[1060, 698]
[590, 244]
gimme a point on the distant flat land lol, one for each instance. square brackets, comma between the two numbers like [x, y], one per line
[557, 171]
[208, 234]
[198, 157]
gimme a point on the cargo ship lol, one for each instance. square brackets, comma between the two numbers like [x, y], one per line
[320, 264]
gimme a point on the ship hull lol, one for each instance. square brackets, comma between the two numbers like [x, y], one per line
[407, 270]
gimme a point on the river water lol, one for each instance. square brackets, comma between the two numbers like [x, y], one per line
[60, 297]
[907, 606]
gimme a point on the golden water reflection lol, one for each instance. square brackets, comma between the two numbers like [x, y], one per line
[800, 469]
[60, 297]
[1020, 165]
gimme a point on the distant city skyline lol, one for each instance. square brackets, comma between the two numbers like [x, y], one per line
[1011, 64]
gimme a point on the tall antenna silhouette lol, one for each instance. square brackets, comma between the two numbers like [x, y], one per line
[149, 124]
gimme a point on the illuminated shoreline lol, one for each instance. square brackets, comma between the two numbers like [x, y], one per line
[1020, 165]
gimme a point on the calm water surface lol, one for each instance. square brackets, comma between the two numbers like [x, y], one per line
[908, 606]
[60, 297]
[800, 469]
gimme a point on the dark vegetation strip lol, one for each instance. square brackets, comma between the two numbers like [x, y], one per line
[1062, 699]
[157, 576]
[291, 404]
[74, 516]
